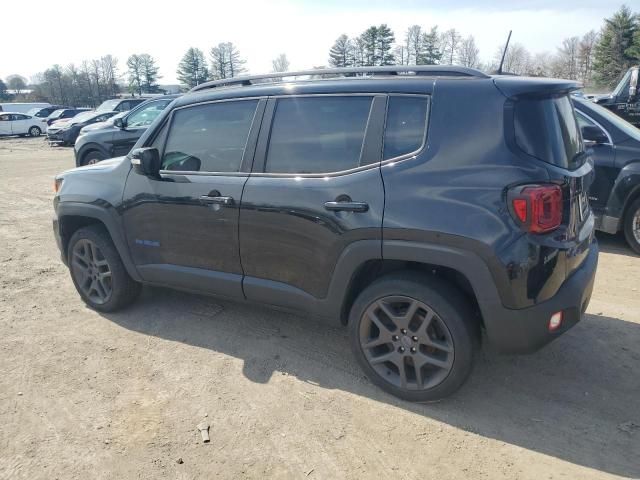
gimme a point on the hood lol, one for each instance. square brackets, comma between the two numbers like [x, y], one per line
[110, 164]
[98, 126]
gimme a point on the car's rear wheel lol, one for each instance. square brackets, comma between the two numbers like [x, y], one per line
[414, 336]
[93, 157]
[35, 132]
[98, 272]
[632, 225]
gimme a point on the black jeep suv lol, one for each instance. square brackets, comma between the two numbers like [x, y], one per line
[415, 205]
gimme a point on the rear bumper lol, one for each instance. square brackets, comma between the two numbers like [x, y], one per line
[526, 330]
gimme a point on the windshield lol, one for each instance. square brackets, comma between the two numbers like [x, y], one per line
[546, 128]
[81, 117]
[56, 113]
[108, 105]
[624, 82]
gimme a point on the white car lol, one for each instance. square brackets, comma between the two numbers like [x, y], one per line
[20, 124]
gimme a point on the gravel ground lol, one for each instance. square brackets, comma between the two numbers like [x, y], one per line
[118, 396]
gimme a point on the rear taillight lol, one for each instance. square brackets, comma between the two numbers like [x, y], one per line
[536, 208]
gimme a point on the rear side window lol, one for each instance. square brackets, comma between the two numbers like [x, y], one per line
[209, 137]
[406, 124]
[546, 128]
[317, 134]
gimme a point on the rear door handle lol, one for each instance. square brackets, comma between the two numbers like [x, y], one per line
[216, 200]
[346, 206]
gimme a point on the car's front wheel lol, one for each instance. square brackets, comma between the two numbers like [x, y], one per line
[414, 336]
[632, 225]
[93, 157]
[35, 132]
[98, 272]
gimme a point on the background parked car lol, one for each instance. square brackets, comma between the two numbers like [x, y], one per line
[68, 132]
[120, 104]
[615, 192]
[21, 124]
[45, 111]
[117, 139]
[65, 113]
[20, 107]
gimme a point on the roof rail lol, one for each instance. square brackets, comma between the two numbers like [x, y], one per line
[426, 70]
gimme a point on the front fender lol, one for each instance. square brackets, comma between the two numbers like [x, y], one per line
[104, 213]
[625, 188]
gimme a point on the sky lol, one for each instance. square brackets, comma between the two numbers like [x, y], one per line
[304, 29]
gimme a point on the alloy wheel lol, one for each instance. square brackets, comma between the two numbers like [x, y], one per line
[406, 343]
[91, 271]
[635, 225]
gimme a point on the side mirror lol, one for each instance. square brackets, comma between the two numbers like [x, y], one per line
[146, 161]
[120, 123]
[594, 134]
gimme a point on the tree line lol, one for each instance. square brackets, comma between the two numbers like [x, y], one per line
[598, 59]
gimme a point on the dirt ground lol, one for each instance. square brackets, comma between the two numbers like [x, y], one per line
[87, 395]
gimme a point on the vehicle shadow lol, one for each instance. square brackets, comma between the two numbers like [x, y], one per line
[577, 399]
[614, 243]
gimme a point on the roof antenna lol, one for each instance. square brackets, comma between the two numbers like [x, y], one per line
[504, 53]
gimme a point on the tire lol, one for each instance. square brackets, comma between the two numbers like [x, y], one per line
[35, 132]
[93, 157]
[632, 225]
[436, 359]
[91, 254]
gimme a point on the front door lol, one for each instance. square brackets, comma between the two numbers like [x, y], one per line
[182, 229]
[606, 172]
[5, 124]
[315, 189]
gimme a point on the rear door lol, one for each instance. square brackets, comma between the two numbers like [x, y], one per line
[182, 228]
[315, 188]
[20, 123]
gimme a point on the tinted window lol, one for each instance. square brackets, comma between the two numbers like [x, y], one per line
[405, 126]
[209, 137]
[317, 134]
[547, 129]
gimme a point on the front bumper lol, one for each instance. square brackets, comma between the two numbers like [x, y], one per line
[58, 236]
[526, 330]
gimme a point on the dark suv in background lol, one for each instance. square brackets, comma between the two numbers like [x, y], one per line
[415, 205]
[117, 139]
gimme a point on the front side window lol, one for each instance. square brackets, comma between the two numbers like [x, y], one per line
[147, 114]
[546, 128]
[406, 125]
[210, 137]
[317, 134]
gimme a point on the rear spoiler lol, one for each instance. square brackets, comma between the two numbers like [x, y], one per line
[513, 87]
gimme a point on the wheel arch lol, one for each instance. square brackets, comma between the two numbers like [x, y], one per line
[73, 216]
[88, 148]
[463, 269]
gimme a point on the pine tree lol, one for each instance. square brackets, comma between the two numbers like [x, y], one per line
[149, 72]
[431, 53]
[614, 52]
[369, 41]
[340, 54]
[192, 69]
[384, 44]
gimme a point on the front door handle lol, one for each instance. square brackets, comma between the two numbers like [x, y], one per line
[216, 200]
[347, 206]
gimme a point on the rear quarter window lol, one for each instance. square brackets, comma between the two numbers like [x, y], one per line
[406, 125]
[547, 129]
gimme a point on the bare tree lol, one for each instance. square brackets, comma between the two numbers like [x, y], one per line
[517, 59]
[134, 64]
[566, 61]
[586, 51]
[280, 63]
[468, 53]
[449, 43]
[226, 61]
[414, 40]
